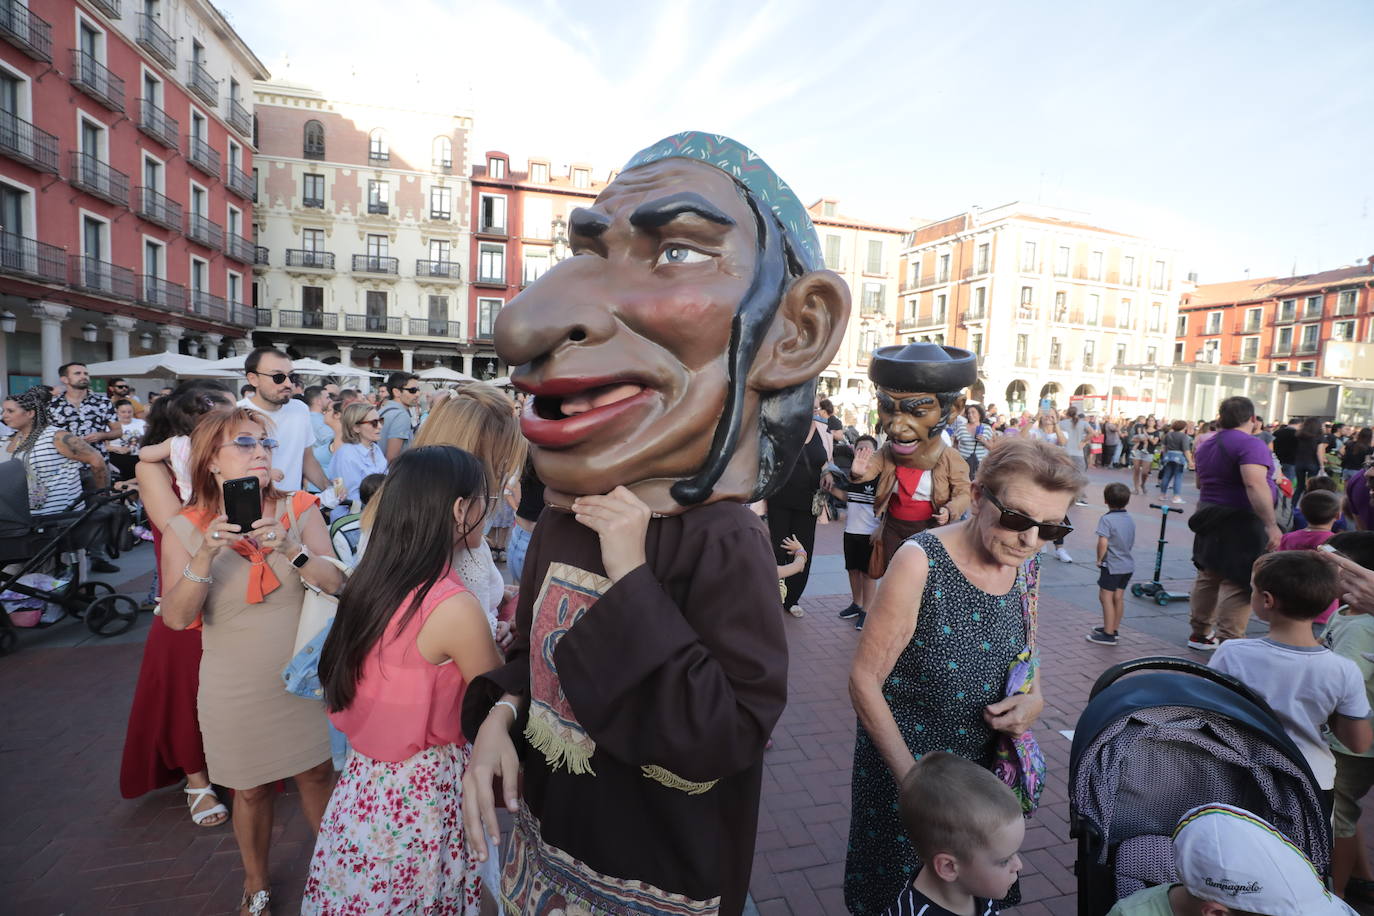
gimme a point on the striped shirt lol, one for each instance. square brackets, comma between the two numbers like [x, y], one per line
[57, 477]
[912, 902]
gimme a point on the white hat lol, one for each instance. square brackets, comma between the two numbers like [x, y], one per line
[1228, 855]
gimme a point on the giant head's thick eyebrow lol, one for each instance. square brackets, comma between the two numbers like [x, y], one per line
[656, 214]
[916, 403]
[588, 223]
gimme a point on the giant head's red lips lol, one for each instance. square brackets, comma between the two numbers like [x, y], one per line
[565, 411]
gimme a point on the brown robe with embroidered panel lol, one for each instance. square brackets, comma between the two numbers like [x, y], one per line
[650, 704]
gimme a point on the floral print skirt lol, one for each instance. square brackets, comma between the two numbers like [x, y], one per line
[392, 840]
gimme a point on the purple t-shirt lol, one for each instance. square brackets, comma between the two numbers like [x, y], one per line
[1357, 491]
[1218, 463]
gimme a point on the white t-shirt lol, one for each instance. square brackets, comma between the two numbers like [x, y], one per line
[291, 428]
[1304, 686]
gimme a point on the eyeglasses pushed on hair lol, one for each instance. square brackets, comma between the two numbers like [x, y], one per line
[248, 443]
[1012, 520]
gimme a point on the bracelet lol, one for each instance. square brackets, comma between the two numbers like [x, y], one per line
[509, 705]
[203, 580]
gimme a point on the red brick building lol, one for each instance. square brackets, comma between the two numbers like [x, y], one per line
[519, 230]
[1309, 325]
[126, 189]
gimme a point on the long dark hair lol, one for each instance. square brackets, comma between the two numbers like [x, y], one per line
[409, 549]
[177, 413]
[1311, 428]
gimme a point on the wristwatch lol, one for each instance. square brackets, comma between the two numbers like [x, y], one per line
[301, 558]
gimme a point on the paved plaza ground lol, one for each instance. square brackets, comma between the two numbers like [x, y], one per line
[70, 845]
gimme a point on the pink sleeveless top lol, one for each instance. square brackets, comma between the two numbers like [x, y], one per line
[404, 703]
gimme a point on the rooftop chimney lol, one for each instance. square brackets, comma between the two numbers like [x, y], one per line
[1371, 263]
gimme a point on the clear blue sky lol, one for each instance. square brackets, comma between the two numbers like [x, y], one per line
[1242, 132]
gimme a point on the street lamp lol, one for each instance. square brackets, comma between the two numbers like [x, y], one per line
[8, 321]
[376, 361]
[89, 332]
[145, 340]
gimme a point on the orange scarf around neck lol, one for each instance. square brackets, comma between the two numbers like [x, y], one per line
[262, 581]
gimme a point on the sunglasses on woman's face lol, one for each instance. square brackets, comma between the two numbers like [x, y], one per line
[374, 423]
[1012, 520]
[248, 443]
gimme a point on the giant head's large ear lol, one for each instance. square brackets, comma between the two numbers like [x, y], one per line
[805, 334]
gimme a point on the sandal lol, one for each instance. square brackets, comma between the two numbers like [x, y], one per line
[257, 903]
[796, 611]
[195, 797]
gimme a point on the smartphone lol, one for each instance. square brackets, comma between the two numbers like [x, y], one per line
[243, 502]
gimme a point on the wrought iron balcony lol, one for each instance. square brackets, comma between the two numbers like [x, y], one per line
[1307, 347]
[375, 264]
[491, 229]
[208, 306]
[312, 203]
[96, 177]
[238, 181]
[239, 248]
[25, 31]
[974, 314]
[435, 327]
[260, 255]
[242, 315]
[318, 260]
[205, 231]
[93, 275]
[156, 41]
[441, 214]
[109, 7]
[26, 257]
[157, 124]
[378, 206]
[263, 317]
[202, 155]
[376, 324]
[439, 270]
[240, 119]
[160, 294]
[158, 208]
[490, 279]
[202, 83]
[93, 78]
[310, 319]
[21, 140]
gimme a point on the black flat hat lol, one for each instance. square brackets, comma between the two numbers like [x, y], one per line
[923, 367]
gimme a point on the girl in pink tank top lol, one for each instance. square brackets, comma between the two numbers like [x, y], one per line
[406, 640]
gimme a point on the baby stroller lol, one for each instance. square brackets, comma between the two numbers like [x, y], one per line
[38, 543]
[1148, 748]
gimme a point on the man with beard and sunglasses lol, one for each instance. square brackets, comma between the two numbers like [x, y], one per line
[269, 372]
[403, 393]
[947, 658]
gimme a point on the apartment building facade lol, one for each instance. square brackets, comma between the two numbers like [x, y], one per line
[362, 232]
[126, 152]
[1312, 325]
[1049, 304]
[866, 254]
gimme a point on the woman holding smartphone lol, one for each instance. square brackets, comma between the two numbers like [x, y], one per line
[248, 599]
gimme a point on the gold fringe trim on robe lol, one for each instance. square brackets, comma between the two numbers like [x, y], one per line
[673, 781]
[561, 747]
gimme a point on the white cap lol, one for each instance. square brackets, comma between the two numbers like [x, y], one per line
[1228, 855]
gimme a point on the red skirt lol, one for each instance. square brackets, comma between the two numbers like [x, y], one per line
[163, 741]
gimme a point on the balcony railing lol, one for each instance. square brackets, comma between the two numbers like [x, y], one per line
[490, 280]
[202, 155]
[157, 207]
[973, 315]
[96, 177]
[94, 79]
[1027, 313]
[318, 260]
[109, 7]
[21, 140]
[312, 203]
[375, 264]
[378, 155]
[242, 315]
[260, 255]
[1248, 357]
[378, 206]
[445, 270]
[491, 229]
[156, 41]
[922, 321]
[205, 231]
[26, 257]
[202, 83]
[25, 31]
[1250, 327]
[238, 181]
[240, 119]
[1306, 347]
[157, 124]
[310, 318]
[238, 248]
[158, 293]
[435, 327]
[263, 317]
[93, 275]
[376, 324]
[1281, 349]
[440, 214]
[208, 306]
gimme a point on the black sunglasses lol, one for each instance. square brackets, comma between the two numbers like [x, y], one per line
[1012, 520]
[276, 377]
[411, 390]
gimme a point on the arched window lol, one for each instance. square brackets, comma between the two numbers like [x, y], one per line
[377, 148]
[443, 153]
[314, 140]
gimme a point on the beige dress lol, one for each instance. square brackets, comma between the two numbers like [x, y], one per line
[255, 732]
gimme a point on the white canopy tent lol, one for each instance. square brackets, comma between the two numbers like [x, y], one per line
[501, 382]
[445, 374]
[160, 365]
[302, 366]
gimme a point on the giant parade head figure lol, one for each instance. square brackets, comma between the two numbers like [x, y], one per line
[677, 352]
[920, 392]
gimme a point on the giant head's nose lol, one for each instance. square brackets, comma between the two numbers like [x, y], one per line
[566, 307]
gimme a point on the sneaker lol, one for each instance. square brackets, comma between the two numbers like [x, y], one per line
[103, 566]
[1178, 500]
[1205, 644]
[796, 611]
[851, 612]
[1063, 555]
[1101, 637]
[1080, 502]
[859, 621]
